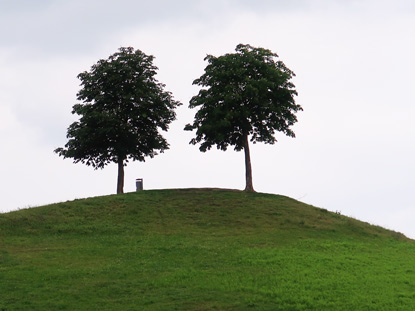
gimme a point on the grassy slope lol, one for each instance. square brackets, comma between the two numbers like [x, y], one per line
[200, 249]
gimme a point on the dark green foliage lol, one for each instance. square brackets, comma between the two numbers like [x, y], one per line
[200, 249]
[123, 108]
[247, 93]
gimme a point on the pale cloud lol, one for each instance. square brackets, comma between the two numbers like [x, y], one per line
[7, 120]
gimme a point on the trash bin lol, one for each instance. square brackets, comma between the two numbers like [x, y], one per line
[139, 184]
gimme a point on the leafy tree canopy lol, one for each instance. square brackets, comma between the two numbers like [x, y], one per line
[247, 93]
[123, 107]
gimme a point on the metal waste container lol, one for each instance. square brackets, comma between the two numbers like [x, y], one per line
[139, 184]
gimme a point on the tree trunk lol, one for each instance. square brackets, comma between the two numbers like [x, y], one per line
[248, 169]
[120, 183]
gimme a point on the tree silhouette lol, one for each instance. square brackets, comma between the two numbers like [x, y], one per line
[123, 108]
[247, 95]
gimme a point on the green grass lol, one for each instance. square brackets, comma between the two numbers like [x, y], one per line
[200, 249]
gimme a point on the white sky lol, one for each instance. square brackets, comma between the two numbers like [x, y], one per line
[354, 61]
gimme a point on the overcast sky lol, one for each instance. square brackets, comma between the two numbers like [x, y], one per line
[354, 60]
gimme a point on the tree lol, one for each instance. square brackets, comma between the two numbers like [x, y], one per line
[123, 108]
[247, 95]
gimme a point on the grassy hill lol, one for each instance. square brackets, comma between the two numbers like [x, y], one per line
[200, 249]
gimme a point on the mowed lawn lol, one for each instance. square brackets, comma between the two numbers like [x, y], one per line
[200, 249]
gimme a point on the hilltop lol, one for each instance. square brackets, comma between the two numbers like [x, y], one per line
[200, 249]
